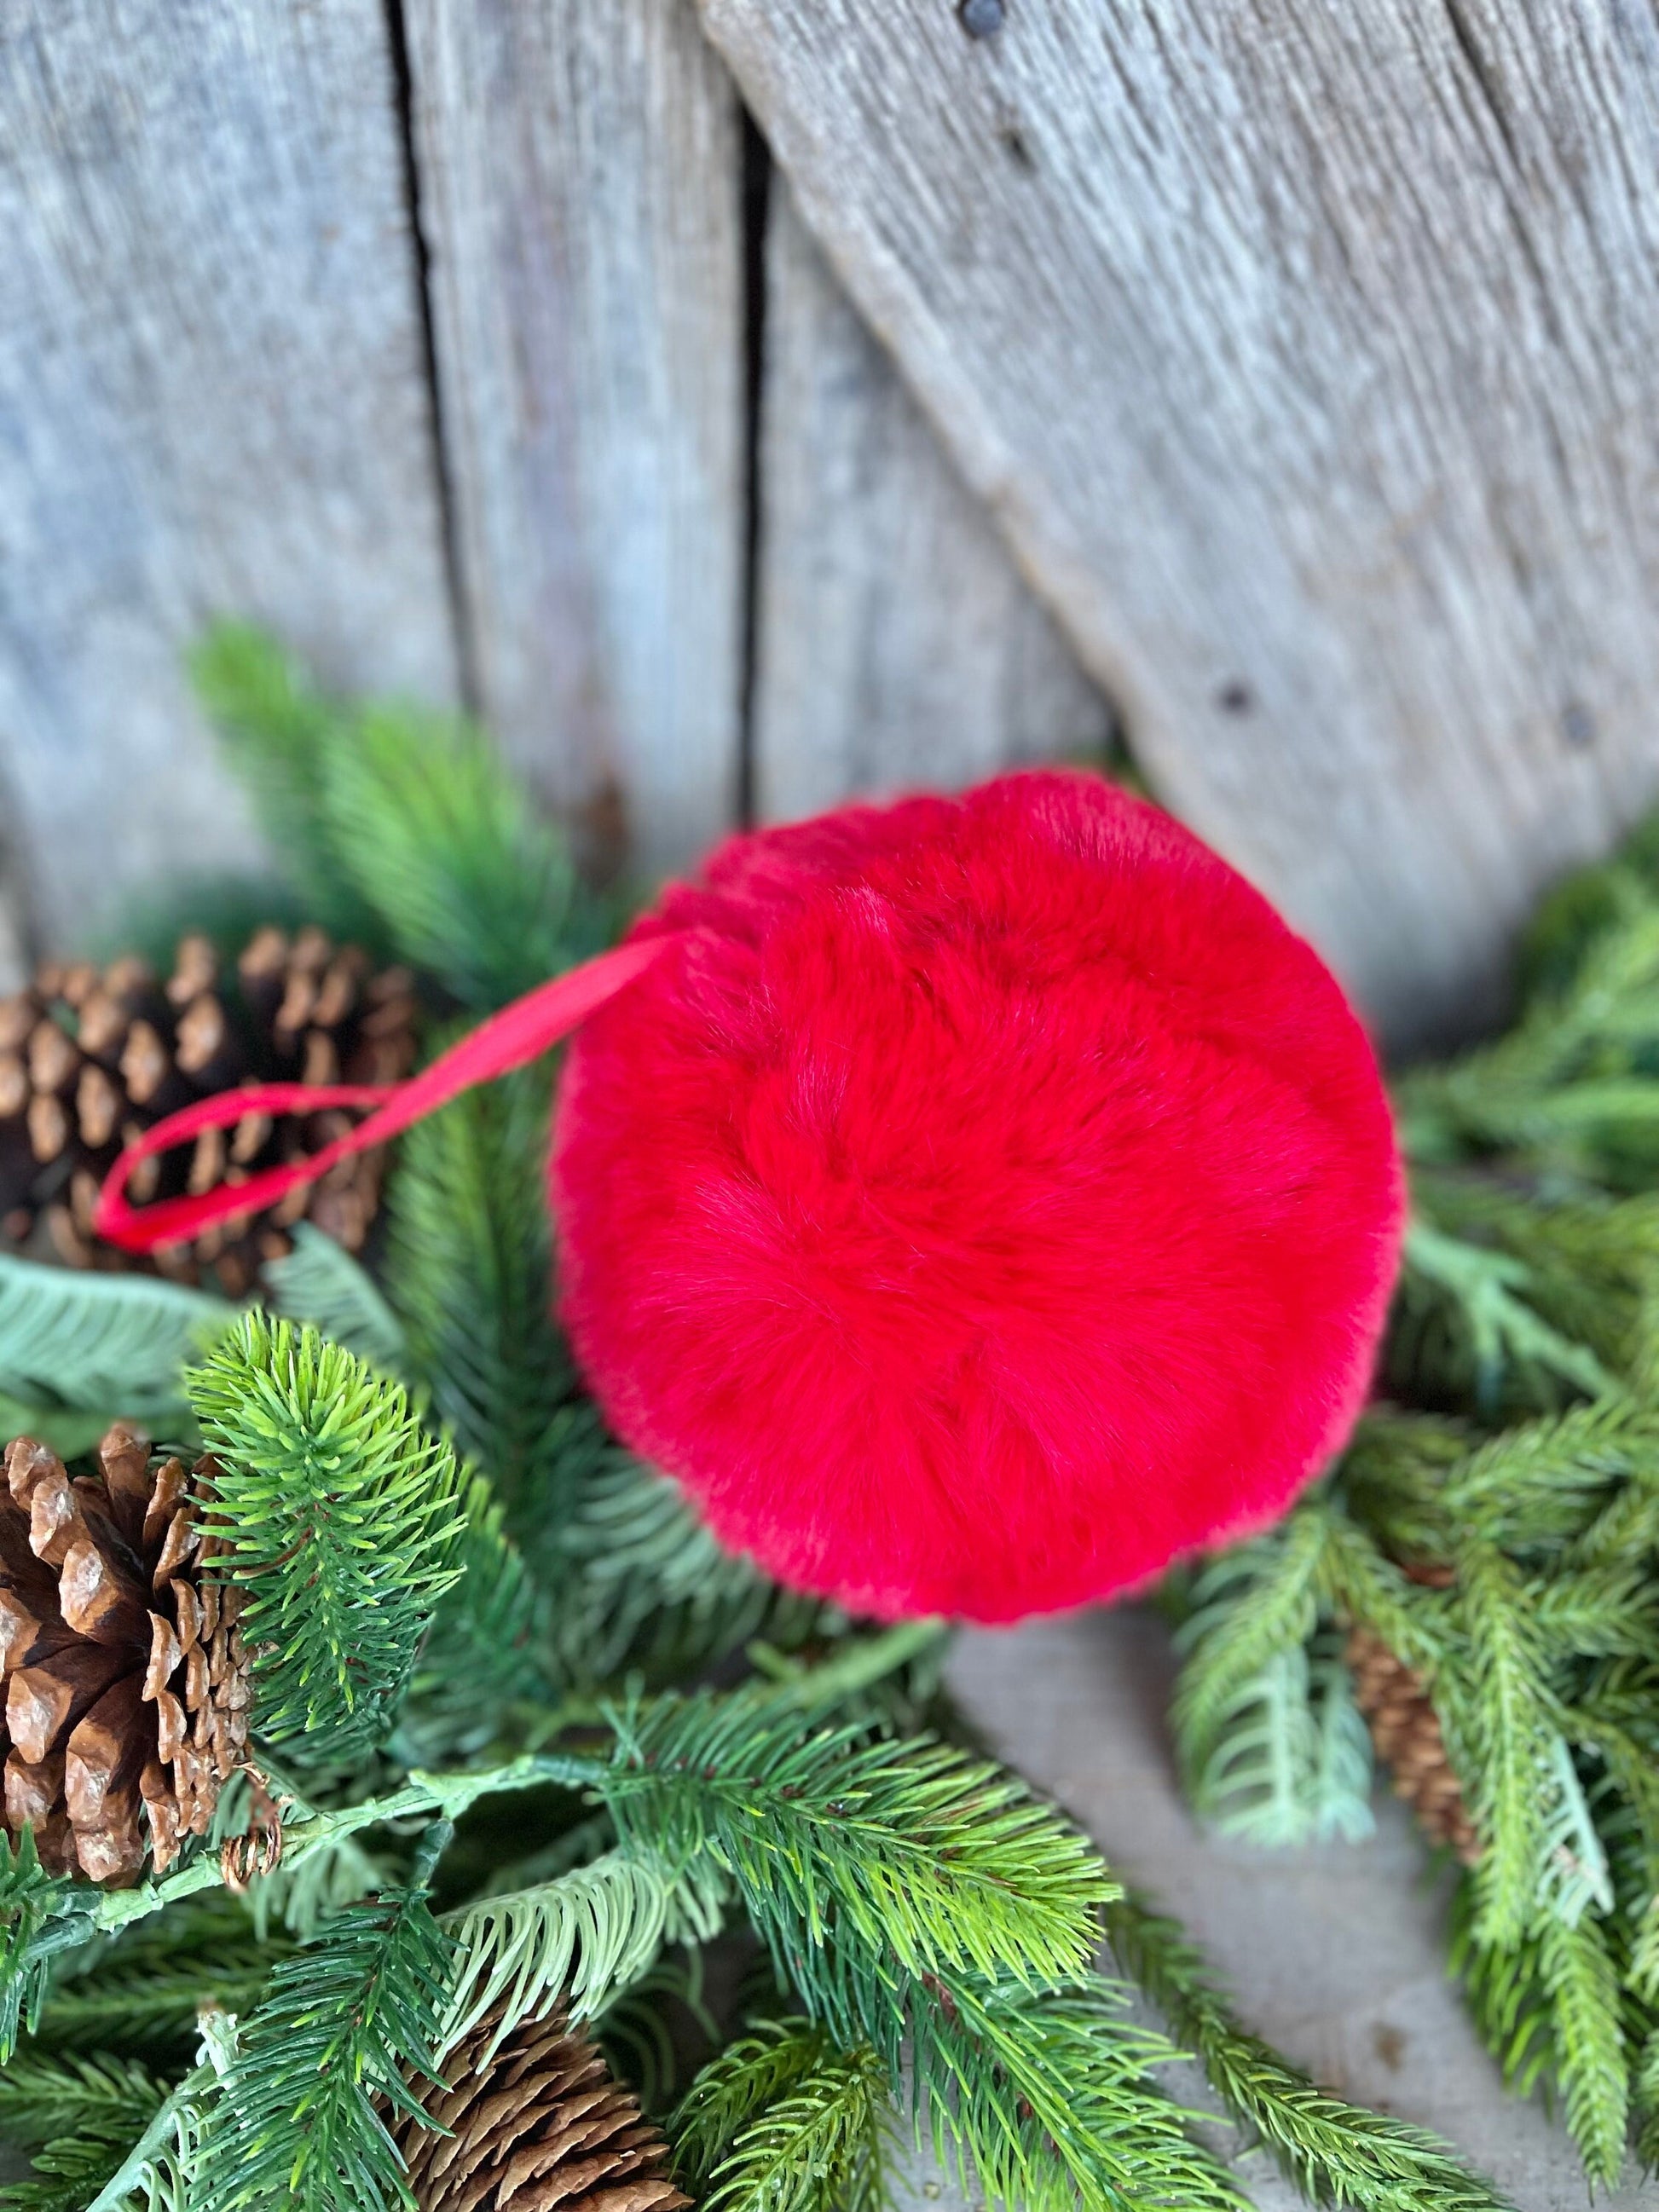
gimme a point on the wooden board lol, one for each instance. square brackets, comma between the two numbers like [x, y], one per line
[580, 195]
[1306, 353]
[898, 644]
[212, 398]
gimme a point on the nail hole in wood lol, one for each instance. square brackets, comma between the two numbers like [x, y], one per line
[981, 19]
[1017, 147]
[1578, 726]
[1235, 698]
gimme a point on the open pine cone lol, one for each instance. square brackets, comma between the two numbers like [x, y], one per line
[538, 2122]
[125, 1673]
[90, 1057]
[1407, 1732]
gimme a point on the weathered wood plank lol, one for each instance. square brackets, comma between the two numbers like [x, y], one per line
[1306, 354]
[580, 195]
[212, 398]
[897, 643]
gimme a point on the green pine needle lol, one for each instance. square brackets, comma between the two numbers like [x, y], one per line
[101, 1346]
[782, 2121]
[340, 1515]
[352, 2018]
[1336, 2153]
[857, 1859]
[1582, 1982]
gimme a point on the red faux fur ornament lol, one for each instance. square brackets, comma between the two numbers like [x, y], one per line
[986, 1200]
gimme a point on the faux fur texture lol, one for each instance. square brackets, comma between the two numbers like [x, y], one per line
[988, 1201]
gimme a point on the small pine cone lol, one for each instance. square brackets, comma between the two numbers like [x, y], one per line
[126, 1674]
[89, 1058]
[538, 2122]
[1405, 1730]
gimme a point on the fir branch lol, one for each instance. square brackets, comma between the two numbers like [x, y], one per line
[1045, 2096]
[1503, 1988]
[41, 1916]
[586, 1934]
[44, 2097]
[277, 733]
[925, 1860]
[1581, 1983]
[103, 1346]
[1291, 1762]
[319, 1281]
[146, 1993]
[1539, 1486]
[1481, 1301]
[784, 2122]
[352, 2018]
[1333, 2151]
[1504, 1721]
[338, 1513]
[480, 1652]
[445, 846]
[468, 1270]
[1248, 1606]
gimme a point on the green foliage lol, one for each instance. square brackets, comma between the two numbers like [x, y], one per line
[398, 824]
[97, 1347]
[320, 1282]
[40, 1915]
[1291, 1763]
[339, 1515]
[1335, 2152]
[480, 1651]
[352, 2018]
[586, 1934]
[1581, 1980]
[143, 1993]
[858, 1860]
[1047, 2098]
[79, 2118]
[782, 2121]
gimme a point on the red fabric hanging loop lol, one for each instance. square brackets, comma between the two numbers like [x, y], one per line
[510, 1039]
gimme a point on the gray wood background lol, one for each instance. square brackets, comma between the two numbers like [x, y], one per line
[1282, 371]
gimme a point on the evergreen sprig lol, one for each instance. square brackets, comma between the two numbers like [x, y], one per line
[349, 2025]
[784, 2121]
[338, 1513]
[1336, 2152]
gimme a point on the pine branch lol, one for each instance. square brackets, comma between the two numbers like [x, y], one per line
[468, 1270]
[1291, 1762]
[352, 2018]
[320, 1282]
[1046, 2098]
[854, 1858]
[143, 1993]
[1249, 1606]
[782, 2121]
[480, 1652]
[277, 734]
[584, 1935]
[1581, 1983]
[1505, 1993]
[1495, 1343]
[1333, 2151]
[44, 2098]
[103, 1346]
[445, 846]
[40, 1917]
[339, 1516]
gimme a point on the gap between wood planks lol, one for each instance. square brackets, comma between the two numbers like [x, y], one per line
[755, 185]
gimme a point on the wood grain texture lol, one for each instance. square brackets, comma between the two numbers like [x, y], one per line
[898, 644]
[580, 196]
[1306, 354]
[212, 398]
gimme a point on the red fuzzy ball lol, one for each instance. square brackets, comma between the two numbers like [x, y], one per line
[988, 1200]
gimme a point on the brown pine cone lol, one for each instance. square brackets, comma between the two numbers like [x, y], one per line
[126, 1676]
[1407, 1732]
[89, 1058]
[539, 2122]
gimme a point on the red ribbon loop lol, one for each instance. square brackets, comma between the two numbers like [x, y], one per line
[510, 1039]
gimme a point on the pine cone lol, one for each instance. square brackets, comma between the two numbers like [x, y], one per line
[1405, 1730]
[125, 1673]
[537, 2122]
[89, 1058]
